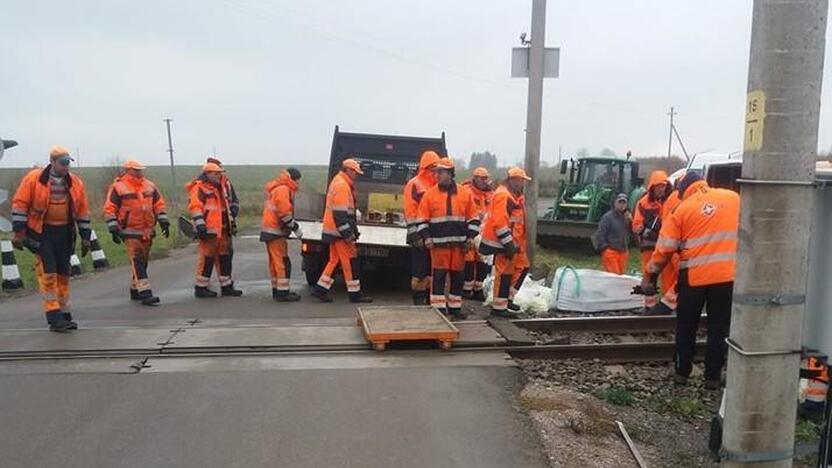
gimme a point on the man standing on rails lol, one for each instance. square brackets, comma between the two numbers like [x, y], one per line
[133, 207]
[414, 190]
[504, 236]
[450, 224]
[277, 223]
[647, 222]
[613, 236]
[703, 229]
[476, 268]
[46, 208]
[211, 216]
[340, 231]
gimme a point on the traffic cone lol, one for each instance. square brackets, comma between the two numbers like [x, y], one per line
[75, 265]
[99, 260]
[11, 274]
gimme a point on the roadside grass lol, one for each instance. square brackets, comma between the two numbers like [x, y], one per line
[688, 408]
[806, 431]
[615, 395]
[552, 259]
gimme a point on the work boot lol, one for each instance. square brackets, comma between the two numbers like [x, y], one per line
[71, 323]
[228, 290]
[322, 294]
[513, 307]
[359, 298]
[509, 314]
[456, 314]
[420, 298]
[659, 309]
[467, 294]
[680, 380]
[478, 296]
[203, 291]
[150, 300]
[134, 295]
[57, 322]
[712, 384]
[287, 296]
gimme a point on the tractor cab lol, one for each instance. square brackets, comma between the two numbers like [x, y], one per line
[592, 183]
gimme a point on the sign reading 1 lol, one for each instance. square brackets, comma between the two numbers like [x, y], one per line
[755, 115]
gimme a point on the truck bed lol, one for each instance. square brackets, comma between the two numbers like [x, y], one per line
[371, 234]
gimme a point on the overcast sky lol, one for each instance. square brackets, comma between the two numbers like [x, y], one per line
[267, 81]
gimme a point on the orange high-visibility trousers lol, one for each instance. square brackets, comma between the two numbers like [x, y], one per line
[210, 250]
[475, 271]
[342, 253]
[649, 301]
[138, 252]
[668, 278]
[448, 265]
[509, 274]
[280, 267]
[53, 269]
[614, 261]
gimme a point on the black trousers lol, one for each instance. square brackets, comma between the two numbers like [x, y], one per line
[716, 298]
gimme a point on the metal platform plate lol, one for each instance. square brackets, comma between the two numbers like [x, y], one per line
[278, 338]
[34, 341]
[383, 324]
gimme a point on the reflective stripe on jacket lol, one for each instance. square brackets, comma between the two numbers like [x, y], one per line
[413, 193]
[133, 206]
[339, 215]
[279, 208]
[31, 201]
[449, 214]
[206, 205]
[703, 229]
[505, 222]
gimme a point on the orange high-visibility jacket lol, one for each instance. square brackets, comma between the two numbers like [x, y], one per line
[647, 219]
[482, 199]
[505, 223]
[133, 206]
[207, 205]
[339, 215]
[413, 193]
[231, 199]
[703, 229]
[279, 208]
[31, 201]
[449, 214]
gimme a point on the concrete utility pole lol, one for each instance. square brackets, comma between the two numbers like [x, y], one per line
[781, 137]
[534, 116]
[173, 188]
[670, 138]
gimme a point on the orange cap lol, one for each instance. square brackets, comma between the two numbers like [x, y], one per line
[518, 172]
[481, 172]
[352, 164]
[444, 163]
[57, 151]
[211, 167]
[428, 160]
[133, 164]
[214, 160]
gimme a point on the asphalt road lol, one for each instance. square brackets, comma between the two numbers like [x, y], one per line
[399, 408]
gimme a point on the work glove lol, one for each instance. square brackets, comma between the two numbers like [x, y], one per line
[164, 226]
[85, 247]
[17, 242]
[235, 210]
[116, 235]
[299, 232]
[418, 243]
[648, 290]
[510, 249]
[31, 245]
[201, 232]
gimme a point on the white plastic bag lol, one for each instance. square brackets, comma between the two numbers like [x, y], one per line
[585, 290]
[533, 297]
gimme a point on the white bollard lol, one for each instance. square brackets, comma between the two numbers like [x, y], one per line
[99, 260]
[75, 265]
[11, 274]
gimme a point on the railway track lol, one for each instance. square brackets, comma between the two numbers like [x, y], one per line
[610, 352]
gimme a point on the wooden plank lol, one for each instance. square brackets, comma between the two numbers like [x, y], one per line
[631, 445]
[513, 334]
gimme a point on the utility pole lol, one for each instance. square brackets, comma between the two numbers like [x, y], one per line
[173, 188]
[534, 116]
[670, 138]
[781, 136]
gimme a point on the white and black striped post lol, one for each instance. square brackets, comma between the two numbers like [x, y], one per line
[99, 260]
[11, 274]
[75, 265]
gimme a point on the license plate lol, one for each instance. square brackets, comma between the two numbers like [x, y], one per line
[374, 251]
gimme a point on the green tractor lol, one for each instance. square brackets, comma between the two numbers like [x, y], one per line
[585, 196]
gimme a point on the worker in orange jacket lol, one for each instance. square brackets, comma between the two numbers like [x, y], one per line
[476, 267]
[340, 231]
[413, 192]
[450, 224]
[212, 223]
[670, 273]
[133, 207]
[233, 204]
[47, 207]
[278, 223]
[703, 230]
[504, 236]
[647, 222]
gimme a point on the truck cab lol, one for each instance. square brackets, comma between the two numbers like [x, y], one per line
[388, 162]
